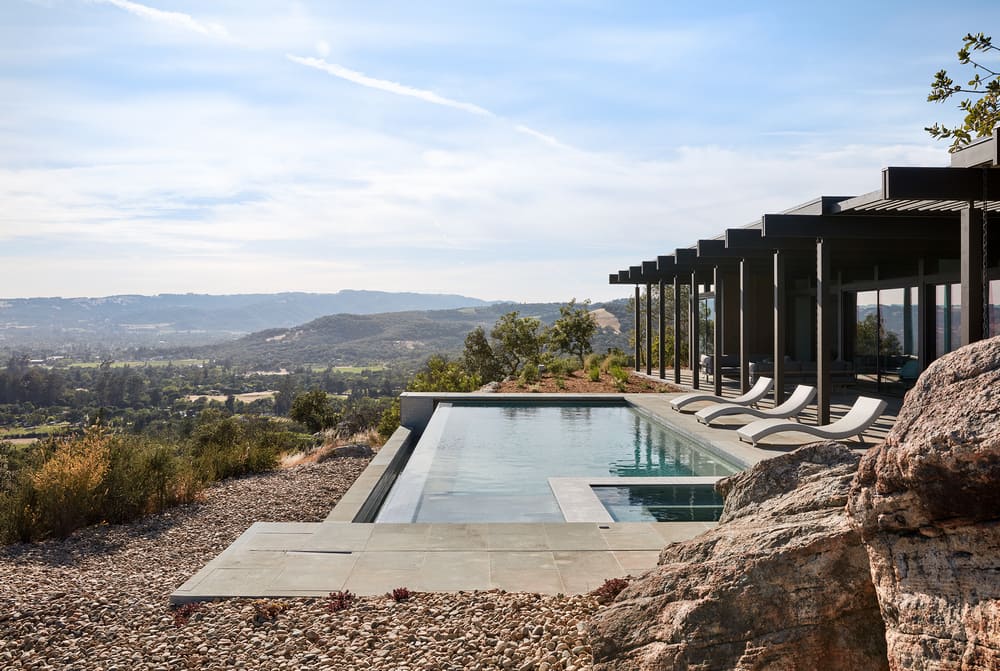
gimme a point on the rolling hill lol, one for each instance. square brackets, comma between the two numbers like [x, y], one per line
[169, 320]
[408, 336]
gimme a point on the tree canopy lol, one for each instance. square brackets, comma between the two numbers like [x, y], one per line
[982, 107]
[573, 331]
[518, 341]
[439, 374]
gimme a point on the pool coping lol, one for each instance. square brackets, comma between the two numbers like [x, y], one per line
[579, 502]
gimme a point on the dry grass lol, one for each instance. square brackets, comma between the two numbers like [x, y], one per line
[370, 438]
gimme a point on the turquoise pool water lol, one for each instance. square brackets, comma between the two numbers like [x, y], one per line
[491, 463]
[660, 503]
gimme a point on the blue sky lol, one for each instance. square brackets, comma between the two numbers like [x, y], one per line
[505, 150]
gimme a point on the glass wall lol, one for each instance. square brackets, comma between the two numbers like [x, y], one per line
[865, 341]
[948, 318]
[994, 308]
[886, 346]
[898, 362]
[706, 326]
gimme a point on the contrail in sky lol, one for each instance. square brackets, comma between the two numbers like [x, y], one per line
[385, 85]
[178, 19]
[188, 22]
[421, 94]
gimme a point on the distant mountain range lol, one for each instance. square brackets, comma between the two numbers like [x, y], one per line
[411, 336]
[171, 320]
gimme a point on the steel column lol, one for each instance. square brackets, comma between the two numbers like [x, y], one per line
[694, 322]
[926, 316]
[638, 327]
[972, 275]
[649, 330]
[660, 349]
[717, 334]
[779, 326]
[745, 325]
[677, 330]
[824, 322]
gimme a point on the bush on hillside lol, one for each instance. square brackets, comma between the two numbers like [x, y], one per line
[97, 477]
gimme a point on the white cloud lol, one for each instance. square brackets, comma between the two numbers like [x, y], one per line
[176, 19]
[323, 48]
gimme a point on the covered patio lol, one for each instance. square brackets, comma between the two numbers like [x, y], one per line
[855, 295]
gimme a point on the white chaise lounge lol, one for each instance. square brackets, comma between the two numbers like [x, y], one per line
[793, 405]
[862, 415]
[758, 392]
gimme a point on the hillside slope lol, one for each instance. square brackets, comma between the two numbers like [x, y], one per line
[350, 339]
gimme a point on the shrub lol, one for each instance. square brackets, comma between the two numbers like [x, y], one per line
[17, 506]
[267, 611]
[182, 614]
[143, 478]
[439, 374]
[100, 476]
[390, 420]
[570, 365]
[595, 359]
[67, 487]
[620, 377]
[611, 588]
[400, 594]
[313, 409]
[529, 374]
[594, 373]
[224, 447]
[556, 367]
[338, 601]
[615, 359]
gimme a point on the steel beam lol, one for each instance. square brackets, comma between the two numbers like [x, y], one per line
[964, 184]
[859, 227]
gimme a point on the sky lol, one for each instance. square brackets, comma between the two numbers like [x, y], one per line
[513, 150]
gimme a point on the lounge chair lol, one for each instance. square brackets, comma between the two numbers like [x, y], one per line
[862, 415]
[758, 392]
[793, 405]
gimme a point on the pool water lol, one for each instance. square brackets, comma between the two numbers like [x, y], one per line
[660, 503]
[491, 463]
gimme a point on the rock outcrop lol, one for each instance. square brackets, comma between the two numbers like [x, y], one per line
[782, 583]
[927, 505]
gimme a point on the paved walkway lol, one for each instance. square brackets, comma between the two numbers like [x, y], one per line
[295, 559]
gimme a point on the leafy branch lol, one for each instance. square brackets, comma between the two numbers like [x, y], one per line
[982, 113]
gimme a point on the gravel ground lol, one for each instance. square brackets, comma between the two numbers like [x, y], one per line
[98, 600]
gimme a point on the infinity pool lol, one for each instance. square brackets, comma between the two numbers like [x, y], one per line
[491, 463]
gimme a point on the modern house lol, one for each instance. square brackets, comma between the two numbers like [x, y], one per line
[865, 290]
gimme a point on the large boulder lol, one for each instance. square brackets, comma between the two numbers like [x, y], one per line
[782, 583]
[927, 505]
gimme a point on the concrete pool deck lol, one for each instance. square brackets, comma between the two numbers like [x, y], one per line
[312, 559]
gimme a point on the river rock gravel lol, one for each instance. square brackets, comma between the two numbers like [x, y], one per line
[99, 600]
